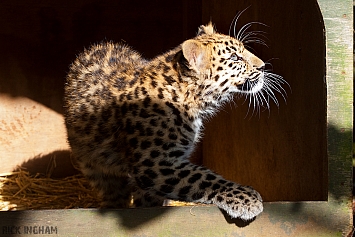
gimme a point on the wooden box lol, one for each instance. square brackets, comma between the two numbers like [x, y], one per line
[298, 154]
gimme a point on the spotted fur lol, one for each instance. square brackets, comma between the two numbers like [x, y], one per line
[132, 124]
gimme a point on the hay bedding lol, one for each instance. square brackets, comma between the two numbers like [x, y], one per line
[20, 190]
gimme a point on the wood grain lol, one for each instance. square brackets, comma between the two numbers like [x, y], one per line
[282, 151]
[278, 219]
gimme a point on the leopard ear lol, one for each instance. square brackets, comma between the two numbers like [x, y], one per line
[207, 29]
[196, 54]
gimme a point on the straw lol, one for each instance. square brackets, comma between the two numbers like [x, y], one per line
[20, 190]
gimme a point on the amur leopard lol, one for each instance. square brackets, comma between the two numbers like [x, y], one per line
[133, 123]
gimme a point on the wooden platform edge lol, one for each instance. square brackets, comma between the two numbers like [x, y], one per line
[278, 219]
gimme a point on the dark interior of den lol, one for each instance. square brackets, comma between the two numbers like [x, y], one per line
[281, 151]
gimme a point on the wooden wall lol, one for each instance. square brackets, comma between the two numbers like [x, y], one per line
[281, 152]
[38, 41]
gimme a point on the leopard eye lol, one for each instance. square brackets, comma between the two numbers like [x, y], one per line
[235, 57]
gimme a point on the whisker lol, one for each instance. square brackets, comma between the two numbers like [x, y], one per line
[273, 84]
[255, 41]
[275, 87]
[235, 20]
[244, 28]
[278, 79]
[259, 101]
[249, 48]
[254, 33]
[272, 96]
[262, 98]
[268, 64]
[270, 60]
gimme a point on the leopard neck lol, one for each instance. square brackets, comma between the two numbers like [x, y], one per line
[168, 78]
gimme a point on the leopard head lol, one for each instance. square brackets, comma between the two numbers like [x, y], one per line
[225, 67]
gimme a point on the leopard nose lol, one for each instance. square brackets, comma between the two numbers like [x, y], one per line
[262, 68]
[253, 60]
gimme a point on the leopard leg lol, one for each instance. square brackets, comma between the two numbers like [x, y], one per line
[146, 198]
[113, 189]
[181, 180]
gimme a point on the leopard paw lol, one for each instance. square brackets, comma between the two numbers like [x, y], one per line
[240, 202]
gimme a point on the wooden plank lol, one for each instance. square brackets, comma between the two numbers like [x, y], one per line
[280, 150]
[296, 219]
[39, 40]
[338, 21]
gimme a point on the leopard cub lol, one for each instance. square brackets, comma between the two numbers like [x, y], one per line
[133, 123]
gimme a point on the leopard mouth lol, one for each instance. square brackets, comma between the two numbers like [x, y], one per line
[251, 85]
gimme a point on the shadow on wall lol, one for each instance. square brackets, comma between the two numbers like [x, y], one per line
[38, 42]
[57, 165]
[339, 158]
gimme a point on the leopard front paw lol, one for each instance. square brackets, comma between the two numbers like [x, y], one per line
[239, 202]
